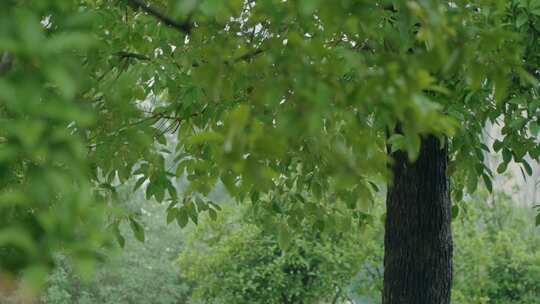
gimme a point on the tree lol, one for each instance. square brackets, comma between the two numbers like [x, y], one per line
[232, 260]
[295, 105]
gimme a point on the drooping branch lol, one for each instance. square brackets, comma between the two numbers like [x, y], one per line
[184, 27]
[248, 56]
[245, 57]
[129, 55]
[176, 121]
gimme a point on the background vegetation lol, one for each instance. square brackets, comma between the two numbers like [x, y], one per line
[231, 260]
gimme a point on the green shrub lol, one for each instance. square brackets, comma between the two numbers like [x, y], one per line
[232, 260]
[140, 273]
[497, 257]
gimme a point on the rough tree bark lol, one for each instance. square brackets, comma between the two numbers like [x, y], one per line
[418, 238]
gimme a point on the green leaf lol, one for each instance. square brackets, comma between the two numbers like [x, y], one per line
[501, 87]
[497, 145]
[159, 194]
[171, 214]
[138, 230]
[254, 196]
[396, 142]
[507, 155]
[351, 200]
[171, 190]
[455, 211]
[518, 123]
[205, 137]
[161, 139]
[502, 167]
[182, 217]
[488, 183]
[522, 19]
[527, 167]
[459, 194]
[374, 186]
[139, 183]
[413, 147]
[299, 198]
[192, 212]
[472, 182]
[17, 237]
[212, 213]
[181, 168]
[118, 235]
[534, 127]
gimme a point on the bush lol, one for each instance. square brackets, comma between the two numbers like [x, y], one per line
[231, 260]
[140, 273]
[497, 257]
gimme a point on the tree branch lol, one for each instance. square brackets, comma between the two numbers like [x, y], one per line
[245, 57]
[168, 21]
[248, 56]
[156, 116]
[128, 55]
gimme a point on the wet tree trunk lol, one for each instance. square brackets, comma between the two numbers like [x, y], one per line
[418, 238]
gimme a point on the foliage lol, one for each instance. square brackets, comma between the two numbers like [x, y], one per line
[309, 91]
[496, 261]
[46, 196]
[138, 273]
[497, 256]
[231, 260]
[289, 104]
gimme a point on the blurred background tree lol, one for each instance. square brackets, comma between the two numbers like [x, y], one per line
[496, 260]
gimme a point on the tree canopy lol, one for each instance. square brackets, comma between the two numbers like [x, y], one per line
[291, 105]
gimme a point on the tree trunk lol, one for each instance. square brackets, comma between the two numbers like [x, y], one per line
[418, 238]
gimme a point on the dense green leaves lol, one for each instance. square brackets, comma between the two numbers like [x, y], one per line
[47, 202]
[288, 104]
[231, 260]
[310, 90]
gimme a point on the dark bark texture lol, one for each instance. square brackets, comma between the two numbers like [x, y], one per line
[418, 237]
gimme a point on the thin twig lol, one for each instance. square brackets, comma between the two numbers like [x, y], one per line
[129, 55]
[168, 21]
[248, 56]
[158, 117]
